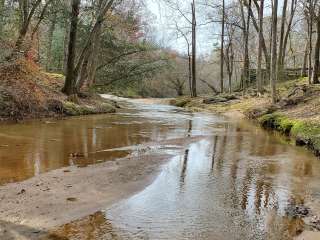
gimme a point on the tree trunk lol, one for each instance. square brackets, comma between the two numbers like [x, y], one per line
[2, 9]
[310, 29]
[190, 71]
[281, 41]
[26, 17]
[194, 48]
[264, 46]
[94, 60]
[247, 57]
[70, 82]
[273, 74]
[315, 76]
[259, 69]
[245, 29]
[287, 33]
[50, 36]
[305, 59]
[222, 47]
[65, 45]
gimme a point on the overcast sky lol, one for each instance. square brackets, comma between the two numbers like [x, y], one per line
[165, 34]
[207, 35]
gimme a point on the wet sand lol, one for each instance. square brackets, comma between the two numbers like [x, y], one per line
[32, 207]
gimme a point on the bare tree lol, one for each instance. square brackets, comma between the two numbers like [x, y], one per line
[194, 49]
[185, 37]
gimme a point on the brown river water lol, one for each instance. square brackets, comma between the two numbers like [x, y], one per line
[235, 182]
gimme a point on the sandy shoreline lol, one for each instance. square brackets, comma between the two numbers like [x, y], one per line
[29, 208]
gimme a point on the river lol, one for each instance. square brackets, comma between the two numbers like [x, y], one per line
[235, 181]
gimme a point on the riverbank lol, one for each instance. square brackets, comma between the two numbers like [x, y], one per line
[27, 92]
[297, 114]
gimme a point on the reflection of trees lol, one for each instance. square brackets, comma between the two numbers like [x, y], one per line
[184, 166]
[214, 152]
[219, 158]
[234, 169]
[95, 226]
[39, 147]
[189, 127]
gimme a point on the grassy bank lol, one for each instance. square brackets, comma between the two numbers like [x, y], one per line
[296, 114]
[26, 91]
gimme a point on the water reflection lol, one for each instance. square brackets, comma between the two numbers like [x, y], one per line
[235, 184]
[35, 147]
[184, 167]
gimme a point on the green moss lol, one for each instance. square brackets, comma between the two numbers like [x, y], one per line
[278, 122]
[106, 108]
[72, 109]
[305, 133]
[180, 102]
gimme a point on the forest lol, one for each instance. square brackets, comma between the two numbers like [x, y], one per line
[113, 45]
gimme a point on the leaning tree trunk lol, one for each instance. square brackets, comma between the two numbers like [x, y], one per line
[94, 60]
[281, 41]
[287, 33]
[26, 18]
[70, 82]
[264, 46]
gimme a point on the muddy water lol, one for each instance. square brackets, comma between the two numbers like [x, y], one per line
[36, 147]
[235, 181]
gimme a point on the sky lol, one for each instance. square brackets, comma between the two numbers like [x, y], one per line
[166, 35]
[208, 35]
